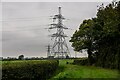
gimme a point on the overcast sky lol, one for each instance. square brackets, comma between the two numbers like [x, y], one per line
[24, 24]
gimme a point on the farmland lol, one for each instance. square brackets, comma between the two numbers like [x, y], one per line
[52, 69]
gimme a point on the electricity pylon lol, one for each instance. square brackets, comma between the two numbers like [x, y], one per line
[59, 47]
[48, 51]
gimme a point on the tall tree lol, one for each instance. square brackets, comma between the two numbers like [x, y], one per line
[82, 39]
[108, 42]
[101, 36]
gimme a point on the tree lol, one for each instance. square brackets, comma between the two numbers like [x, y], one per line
[21, 57]
[83, 39]
[108, 19]
[101, 36]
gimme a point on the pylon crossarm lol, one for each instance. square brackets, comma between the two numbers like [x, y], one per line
[53, 24]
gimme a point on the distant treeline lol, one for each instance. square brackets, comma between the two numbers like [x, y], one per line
[32, 58]
[100, 36]
[35, 58]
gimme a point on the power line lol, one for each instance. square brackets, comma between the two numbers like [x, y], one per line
[21, 19]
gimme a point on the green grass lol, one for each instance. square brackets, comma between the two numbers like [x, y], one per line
[76, 71]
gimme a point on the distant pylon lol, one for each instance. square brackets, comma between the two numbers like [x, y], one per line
[59, 47]
[48, 51]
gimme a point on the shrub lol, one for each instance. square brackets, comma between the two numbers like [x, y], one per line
[32, 69]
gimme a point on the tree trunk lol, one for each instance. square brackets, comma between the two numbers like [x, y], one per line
[89, 57]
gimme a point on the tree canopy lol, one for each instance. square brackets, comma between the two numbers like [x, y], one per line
[100, 36]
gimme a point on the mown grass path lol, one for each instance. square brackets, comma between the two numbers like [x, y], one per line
[76, 71]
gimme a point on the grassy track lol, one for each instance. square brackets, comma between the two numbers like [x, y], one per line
[75, 71]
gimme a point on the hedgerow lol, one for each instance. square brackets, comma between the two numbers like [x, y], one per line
[28, 69]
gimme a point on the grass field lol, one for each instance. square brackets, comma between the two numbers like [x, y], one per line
[76, 71]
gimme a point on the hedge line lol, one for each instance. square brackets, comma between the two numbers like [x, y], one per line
[32, 69]
[110, 64]
[81, 61]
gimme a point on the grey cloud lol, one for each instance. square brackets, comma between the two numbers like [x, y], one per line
[24, 25]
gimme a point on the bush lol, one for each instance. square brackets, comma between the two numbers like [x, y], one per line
[32, 69]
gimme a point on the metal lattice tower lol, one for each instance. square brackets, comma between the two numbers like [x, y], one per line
[59, 48]
[48, 50]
